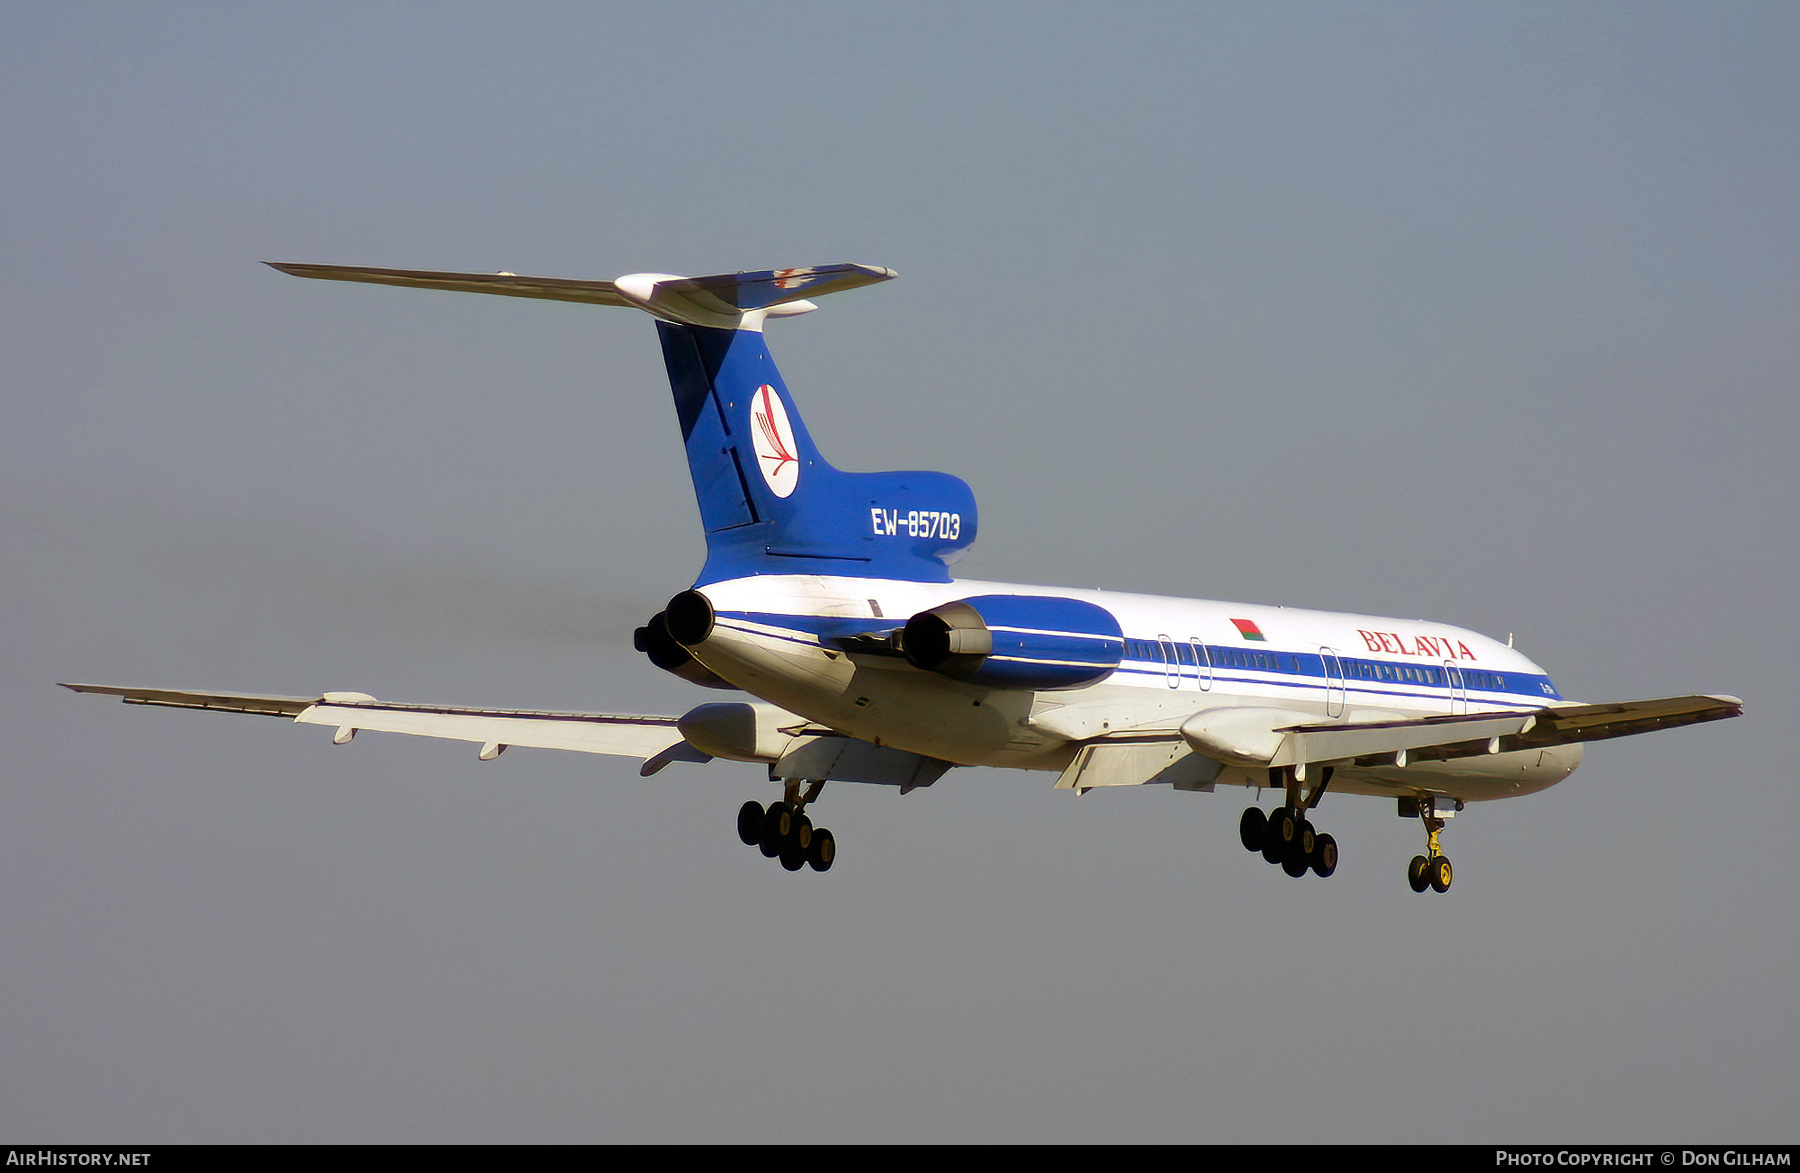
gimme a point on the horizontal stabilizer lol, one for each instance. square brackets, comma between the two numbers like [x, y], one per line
[505, 284]
[722, 301]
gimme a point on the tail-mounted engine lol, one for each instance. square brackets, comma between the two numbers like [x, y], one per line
[654, 640]
[1016, 641]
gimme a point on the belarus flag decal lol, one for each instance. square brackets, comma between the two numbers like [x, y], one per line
[1249, 630]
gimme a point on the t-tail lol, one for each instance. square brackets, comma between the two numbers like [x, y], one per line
[769, 502]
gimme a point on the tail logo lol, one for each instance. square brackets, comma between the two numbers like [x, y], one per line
[774, 440]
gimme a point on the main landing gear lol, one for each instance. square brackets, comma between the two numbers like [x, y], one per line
[784, 832]
[1285, 835]
[1431, 870]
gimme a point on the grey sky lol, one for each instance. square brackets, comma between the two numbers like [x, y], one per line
[1482, 313]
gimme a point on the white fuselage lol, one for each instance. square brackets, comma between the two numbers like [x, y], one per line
[772, 637]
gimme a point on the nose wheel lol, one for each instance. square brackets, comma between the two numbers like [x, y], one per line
[783, 831]
[1431, 870]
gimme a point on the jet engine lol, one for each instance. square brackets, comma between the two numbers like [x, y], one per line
[653, 639]
[1016, 641]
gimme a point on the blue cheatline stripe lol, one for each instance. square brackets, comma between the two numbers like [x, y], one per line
[1359, 672]
[1293, 669]
[1139, 673]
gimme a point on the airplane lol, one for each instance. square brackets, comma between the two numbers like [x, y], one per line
[826, 596]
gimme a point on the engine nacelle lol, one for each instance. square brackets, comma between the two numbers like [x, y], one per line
[654, 640]
[1016, 641]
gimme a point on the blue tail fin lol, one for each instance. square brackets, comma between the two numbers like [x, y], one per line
[769, 502]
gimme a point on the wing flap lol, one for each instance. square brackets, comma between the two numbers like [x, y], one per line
[626, 736]
[836, 757]
[1384, 739]
[1136, 763]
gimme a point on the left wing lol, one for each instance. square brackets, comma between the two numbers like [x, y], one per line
[657, 740]
[789, 745]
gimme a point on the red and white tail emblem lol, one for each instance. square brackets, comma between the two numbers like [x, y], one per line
[776, 452]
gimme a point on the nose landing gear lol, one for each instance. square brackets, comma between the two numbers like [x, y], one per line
[1431, 870]
[784, 832]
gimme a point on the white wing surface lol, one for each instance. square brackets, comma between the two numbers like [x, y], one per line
[653, 738]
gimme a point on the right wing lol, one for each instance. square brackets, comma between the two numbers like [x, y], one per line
[1447, 737]
[657, 740]
[1189, 756]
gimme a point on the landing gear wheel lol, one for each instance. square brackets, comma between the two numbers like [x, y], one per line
[823, 851]
[1252, 827]
[1440, 874]
[1415, 873]
[794, 844]
[778, 825]
[750, 823]
[1297, 856]
[1324, 856]
[1282, 830]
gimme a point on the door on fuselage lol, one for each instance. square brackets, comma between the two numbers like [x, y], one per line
[1202, 663]
[1334, 682]
[1171, 661]
[1459, 693]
